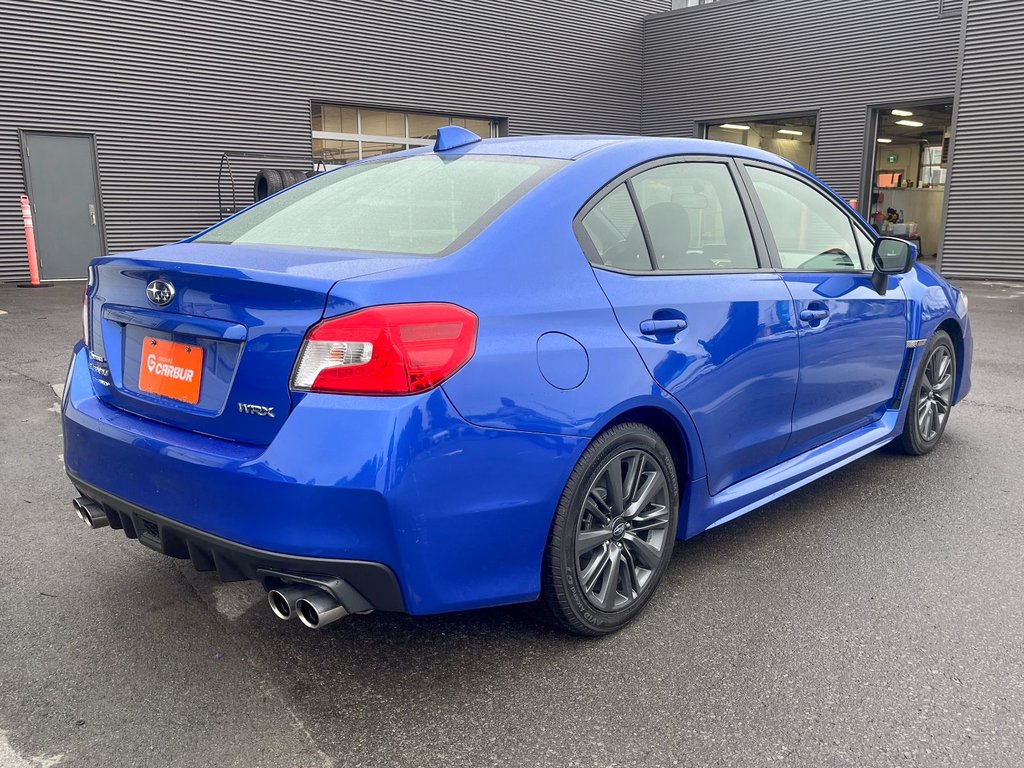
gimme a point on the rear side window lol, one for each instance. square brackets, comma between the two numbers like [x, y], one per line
[421, 205]
[811, 232]
[614, 230]
[694, 217]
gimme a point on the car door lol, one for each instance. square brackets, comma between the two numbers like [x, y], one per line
[852, 340]
[690, 284]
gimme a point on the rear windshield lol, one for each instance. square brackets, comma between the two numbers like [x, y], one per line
[423, 205]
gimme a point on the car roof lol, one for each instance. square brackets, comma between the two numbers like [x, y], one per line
[574, 146]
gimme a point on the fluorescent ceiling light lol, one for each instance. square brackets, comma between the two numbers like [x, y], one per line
[788, 132]
[885, 141]
[734, 127]
[909, 123]
[902, 113]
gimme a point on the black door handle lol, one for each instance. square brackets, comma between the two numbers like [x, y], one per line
[654, 327]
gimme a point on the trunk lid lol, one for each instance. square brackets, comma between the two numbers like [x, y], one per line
[236, 319]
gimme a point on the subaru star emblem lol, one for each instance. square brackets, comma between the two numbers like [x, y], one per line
[160, 292]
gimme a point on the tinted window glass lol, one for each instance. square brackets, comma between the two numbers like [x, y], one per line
[811, 232]
[694, 217]
[614, 230]
[415, 205]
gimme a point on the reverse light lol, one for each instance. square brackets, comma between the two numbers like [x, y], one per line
[396, 349]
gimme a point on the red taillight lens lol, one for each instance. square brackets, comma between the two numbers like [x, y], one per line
[396, 349]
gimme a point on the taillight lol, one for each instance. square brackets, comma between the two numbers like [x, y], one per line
[397, 349]
[85, 314]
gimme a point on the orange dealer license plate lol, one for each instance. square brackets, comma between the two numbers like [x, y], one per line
[171, 369]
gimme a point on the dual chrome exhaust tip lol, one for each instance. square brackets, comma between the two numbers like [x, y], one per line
[312, 606]
[90, 512]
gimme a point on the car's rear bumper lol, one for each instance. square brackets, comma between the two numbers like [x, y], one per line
[458, 513]
[237, 562]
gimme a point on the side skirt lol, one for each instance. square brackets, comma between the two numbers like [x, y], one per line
[706, 511]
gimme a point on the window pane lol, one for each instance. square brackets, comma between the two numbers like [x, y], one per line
[417, 205]
[810, 231]
[374, 148]
[331, 152]
[614, 230]
[335, 119]
[694, 217]
[425, 126]
[379, 123]
[481, 128]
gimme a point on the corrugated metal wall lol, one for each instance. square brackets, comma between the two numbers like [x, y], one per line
[167, 87]
[985, 215]
[752, 58]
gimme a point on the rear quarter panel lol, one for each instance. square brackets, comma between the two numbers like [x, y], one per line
[551, 357]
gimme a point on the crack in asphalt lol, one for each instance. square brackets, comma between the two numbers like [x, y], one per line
[998, 408]
[24, 375]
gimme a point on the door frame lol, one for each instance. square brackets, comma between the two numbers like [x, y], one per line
[870, 157]
[23, 134]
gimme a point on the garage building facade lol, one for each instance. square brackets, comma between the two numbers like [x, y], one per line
[166, 89]
[912, 109]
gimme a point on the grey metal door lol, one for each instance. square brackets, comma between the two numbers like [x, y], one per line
[62, 183]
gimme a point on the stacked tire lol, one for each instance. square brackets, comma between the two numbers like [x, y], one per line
[270, 181]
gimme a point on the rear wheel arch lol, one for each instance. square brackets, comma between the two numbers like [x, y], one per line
[669, 430]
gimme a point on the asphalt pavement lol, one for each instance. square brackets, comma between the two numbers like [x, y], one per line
[874, 618]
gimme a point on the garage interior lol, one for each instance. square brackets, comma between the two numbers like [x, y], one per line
[791, 137]
[909, 173]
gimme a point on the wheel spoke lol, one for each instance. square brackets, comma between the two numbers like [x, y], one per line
[630, 584]
[654, 483]
[615, 490]
[606, 596]
[943, 383]
[593, 571]
[634, 469]
[597, 506]
[656, 518]
[648, 555]
[588, 540]
[923, 417]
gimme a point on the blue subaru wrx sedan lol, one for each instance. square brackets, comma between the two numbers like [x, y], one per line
[497, 371]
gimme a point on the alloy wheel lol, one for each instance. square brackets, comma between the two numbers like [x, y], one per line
[621, 537]
[935, 396]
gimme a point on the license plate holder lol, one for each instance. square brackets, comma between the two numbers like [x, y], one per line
[171, 369]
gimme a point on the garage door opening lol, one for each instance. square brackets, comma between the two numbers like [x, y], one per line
[791, 137]
[908, 172]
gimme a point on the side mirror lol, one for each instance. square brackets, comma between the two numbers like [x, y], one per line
[891, 256]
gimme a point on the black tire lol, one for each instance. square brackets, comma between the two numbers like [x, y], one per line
[268, 182]
[624, 573]
[930, 402]
[291, 176]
